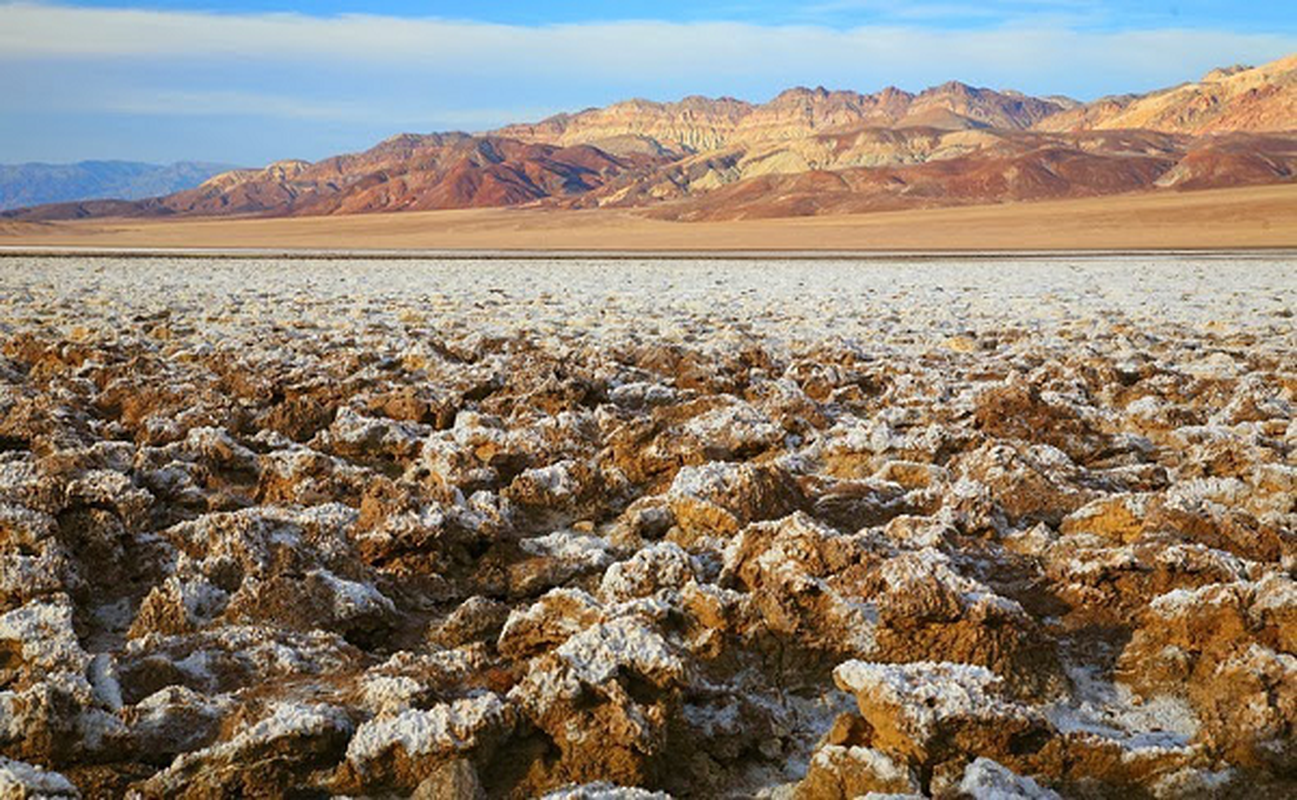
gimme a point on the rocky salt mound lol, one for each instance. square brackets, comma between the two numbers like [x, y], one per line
[641, 530]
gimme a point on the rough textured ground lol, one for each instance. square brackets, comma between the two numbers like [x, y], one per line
[797, 530]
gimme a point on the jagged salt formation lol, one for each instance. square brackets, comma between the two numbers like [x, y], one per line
[639, 530]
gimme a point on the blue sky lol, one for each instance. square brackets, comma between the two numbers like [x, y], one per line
[1212, 14]
[250, 82]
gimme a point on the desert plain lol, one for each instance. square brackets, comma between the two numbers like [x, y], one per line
[824, 444]
[1249, 217]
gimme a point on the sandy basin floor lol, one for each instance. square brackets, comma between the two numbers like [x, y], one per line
[1256, 216]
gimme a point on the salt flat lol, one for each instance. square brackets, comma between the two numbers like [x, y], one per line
[699, 528]
[778, 297]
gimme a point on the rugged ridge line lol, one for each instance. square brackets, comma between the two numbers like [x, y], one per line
[807, 151]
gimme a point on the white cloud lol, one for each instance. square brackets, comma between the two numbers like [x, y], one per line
[76, 77]
[446, 50]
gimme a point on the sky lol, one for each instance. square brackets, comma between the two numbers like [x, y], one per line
[252, 82]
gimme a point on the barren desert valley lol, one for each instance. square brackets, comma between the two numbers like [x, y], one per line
[823, 445]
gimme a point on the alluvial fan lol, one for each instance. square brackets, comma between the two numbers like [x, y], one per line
[630, 528]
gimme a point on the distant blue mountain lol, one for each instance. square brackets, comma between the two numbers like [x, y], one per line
[24, 185]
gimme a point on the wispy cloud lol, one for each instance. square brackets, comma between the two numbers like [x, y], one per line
[618, 49]
[381, 73]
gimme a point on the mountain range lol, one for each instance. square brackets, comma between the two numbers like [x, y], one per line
[32, 184]
[807, 151]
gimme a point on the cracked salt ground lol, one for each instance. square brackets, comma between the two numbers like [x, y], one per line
[1112, 711]
[643, 529]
